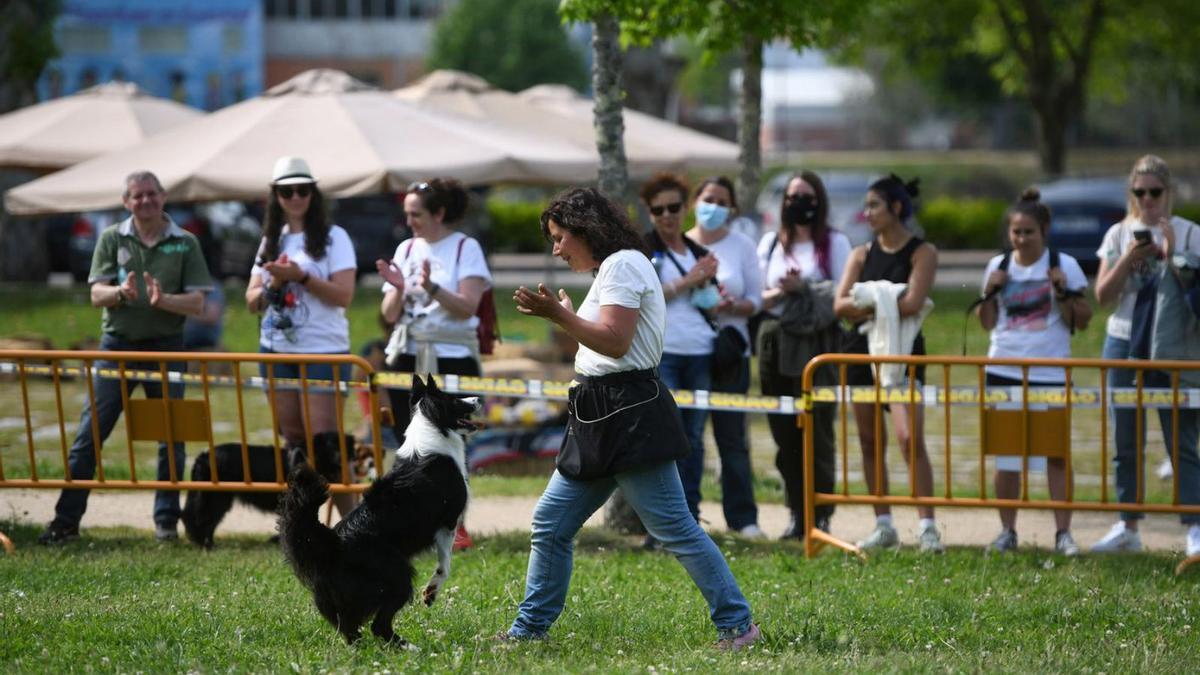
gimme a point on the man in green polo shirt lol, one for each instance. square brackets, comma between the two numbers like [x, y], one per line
[148, 275]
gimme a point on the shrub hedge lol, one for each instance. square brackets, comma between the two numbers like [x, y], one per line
[515, 226]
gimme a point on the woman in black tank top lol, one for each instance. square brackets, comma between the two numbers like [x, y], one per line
[895, 255]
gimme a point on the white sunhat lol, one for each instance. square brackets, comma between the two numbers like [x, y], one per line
[291, 171]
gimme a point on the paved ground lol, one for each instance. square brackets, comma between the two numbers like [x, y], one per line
[960, 527]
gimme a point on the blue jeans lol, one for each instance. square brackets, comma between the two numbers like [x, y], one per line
[679, 371]
[68, 512]
[655, 493]
[1125, 436]
[737, 484]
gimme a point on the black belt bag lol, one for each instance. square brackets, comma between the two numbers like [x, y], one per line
[618, 423]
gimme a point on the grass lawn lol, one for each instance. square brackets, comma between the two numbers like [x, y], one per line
[119, 602]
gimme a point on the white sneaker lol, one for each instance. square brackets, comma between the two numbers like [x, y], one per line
[752, 531]
[1165, 470]
[1193, 541]
[931, 540]
[1119, 540]
[884, 536]
[1064, 544]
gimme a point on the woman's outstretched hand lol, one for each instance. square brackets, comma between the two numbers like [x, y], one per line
[542, 302]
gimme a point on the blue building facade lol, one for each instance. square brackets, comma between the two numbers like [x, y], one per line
[205, 53]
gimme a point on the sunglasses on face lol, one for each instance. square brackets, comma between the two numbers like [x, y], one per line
[286, 191]
[672, 208]
[1154, 193]
[420, 186]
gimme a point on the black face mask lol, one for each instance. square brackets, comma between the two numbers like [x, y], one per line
[800, 210]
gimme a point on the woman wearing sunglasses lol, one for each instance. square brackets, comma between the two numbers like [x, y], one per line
[433, 285]
[302, 283]
[1131, 255]
[688, 274]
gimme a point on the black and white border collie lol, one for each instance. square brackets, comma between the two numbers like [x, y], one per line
[361, 567]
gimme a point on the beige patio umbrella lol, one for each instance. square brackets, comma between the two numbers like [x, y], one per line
[556, 111]
[358, 140]
[68, 130]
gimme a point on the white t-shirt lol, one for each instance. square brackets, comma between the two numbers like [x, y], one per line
[1115, 241]
[446, 269]
[305, 324]
[737, 273]
[690, 334]
[802, 256]
[626, 279]
[1029, 323]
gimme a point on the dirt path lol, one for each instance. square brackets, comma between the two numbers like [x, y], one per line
[487, 515]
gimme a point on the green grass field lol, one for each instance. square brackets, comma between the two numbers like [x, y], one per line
[118, 602]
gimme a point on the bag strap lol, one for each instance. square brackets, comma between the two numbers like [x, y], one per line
[712, 323]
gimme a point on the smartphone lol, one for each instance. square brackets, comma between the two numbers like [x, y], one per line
[1143, 236]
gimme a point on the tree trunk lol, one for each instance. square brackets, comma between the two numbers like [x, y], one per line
[1052, 139]
[609, 121]
[749, 129]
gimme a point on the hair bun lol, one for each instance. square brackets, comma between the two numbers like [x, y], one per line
[1030, 194]
[912, 187]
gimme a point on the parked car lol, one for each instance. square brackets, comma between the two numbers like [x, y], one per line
[1082, 210]
[71, 238]
[847, 191]
[231, 227]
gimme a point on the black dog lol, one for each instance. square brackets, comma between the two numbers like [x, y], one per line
[204, 510]
[362, 566]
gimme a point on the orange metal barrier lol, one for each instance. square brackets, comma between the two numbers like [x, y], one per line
[172, 419]
[1036, 422]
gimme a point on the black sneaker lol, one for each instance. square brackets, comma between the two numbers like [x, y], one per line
[58, 534]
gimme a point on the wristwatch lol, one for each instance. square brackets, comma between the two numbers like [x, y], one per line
[120, 297]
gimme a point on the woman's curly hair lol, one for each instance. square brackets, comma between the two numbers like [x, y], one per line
[588, 214]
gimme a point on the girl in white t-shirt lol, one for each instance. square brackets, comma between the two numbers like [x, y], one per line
[1031, 310]
[1132, 252]
[624, 427]
[302, 282]
[434, 283]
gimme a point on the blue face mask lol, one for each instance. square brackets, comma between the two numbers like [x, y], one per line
[711, 216]
[706, 297]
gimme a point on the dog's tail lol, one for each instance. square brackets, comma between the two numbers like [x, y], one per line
[310, 546]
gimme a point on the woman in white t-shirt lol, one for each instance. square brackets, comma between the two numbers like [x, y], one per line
[302, 282]
[740, 296]
[623, 428]
[803, 250]
[1131, 255]
[1031, 309]
[433, 286]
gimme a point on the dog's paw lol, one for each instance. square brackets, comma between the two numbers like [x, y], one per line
[430, 594]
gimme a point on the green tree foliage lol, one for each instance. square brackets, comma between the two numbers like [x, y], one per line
[512, 44]
[739, 26]
[26, 46]
[1051, 54]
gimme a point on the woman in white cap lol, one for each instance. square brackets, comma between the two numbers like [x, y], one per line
[302, 282]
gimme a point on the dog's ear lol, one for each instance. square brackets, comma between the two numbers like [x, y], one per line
[418, 389]
[433, 387]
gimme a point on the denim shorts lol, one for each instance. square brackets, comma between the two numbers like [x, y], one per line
[313, 371]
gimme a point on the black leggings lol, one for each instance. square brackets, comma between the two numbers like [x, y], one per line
[401, 410]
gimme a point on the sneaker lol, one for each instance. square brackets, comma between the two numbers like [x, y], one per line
[1193, 541]
[1165, 470]
[794, 530]
[752, 531]
[165, 533]
[58, 534]
[742, 641]
[884, 536]
[1064, 544]
[461, 539]
[1006, 542]
[931, 540]
[1118, 540]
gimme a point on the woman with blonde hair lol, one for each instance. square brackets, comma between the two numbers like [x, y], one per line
[1131, 257]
